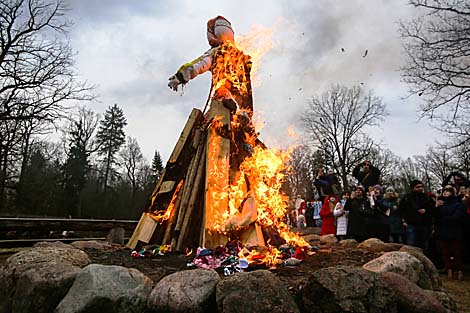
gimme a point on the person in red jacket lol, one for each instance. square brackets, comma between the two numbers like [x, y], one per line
[326, 214]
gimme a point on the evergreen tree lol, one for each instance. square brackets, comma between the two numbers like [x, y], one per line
[157, 166]
[110, 138]
[77, 166]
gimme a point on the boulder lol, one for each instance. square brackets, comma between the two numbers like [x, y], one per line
[35, 280]
[107, 288]
[116, 235]
[348, 243]
[347, 289]
[185, 291]
[257, 291]
[447, 302]
[411, 298]
[312, 238]
[328, 239]
[429, 267]
[401, 263]
[91, 244]
[377, 245]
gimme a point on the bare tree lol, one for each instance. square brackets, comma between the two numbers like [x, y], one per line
[302, 164]
[132, 160]
[438, 65]
[438, 162]
[388, 163]
[36, 61]
[336, 123]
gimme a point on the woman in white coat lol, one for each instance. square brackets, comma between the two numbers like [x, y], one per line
[341, 217]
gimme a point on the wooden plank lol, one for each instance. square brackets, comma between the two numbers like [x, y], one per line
[132, 243]
[148, 228]
[167, 186]
[194, 119]
[217, 176]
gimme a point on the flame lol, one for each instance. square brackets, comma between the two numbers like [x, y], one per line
[160, 216]
[256, 44]
[292, 133]
[236, 66]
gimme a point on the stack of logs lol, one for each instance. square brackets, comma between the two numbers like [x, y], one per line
[184, 189]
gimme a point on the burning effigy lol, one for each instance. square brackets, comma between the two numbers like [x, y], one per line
[220, 192]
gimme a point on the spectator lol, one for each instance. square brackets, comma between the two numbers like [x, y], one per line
[466, 242]
[377, 223]
[333, 181]
[341, 216]
[309, 214]
[326, 213]
[416, 210]
[322, 184]
[367, 174]
[317, 204]
[357, 217]
[449, 229]
[300, 207]
[390, 206]
[327, 183]
[458, 181]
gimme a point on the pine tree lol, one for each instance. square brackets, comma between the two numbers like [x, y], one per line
[110, 138]
[76, 169]
[157, 166]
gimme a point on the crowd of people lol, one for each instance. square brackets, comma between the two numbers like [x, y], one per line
[437, 222]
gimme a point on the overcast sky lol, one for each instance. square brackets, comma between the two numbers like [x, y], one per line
[130, 48]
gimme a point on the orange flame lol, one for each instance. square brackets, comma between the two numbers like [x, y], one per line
[256, 44]
[160, 216]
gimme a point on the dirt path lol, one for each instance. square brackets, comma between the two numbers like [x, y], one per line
[459, 290]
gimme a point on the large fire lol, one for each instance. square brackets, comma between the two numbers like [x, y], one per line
[265, 169]
[259, 177]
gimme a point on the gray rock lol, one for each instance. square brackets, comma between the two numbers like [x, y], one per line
[410, 297]
[429, 268]
[449, 304]
[348, 243]
[185, 291]
[91, 244]
[328, 239]
[347, 289]
[107, 288]
[257, 291]
[116, 235]
[377, 245]
[312, 238]
[35, 280]
[401, 263]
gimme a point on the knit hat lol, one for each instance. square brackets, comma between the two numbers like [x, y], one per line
[450, 188]
[390, 189]
[414, 183]
[360, 187]
[377, 187]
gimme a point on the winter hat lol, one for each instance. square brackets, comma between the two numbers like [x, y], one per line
[360, 187]
[414, 183]
[219, 30]
[390, 189]
[450, 188]
[377, 187]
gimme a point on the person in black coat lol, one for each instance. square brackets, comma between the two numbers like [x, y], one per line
[449, 215]
[416, 210]
[458, 181]
[367, 174]
[357, 221]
